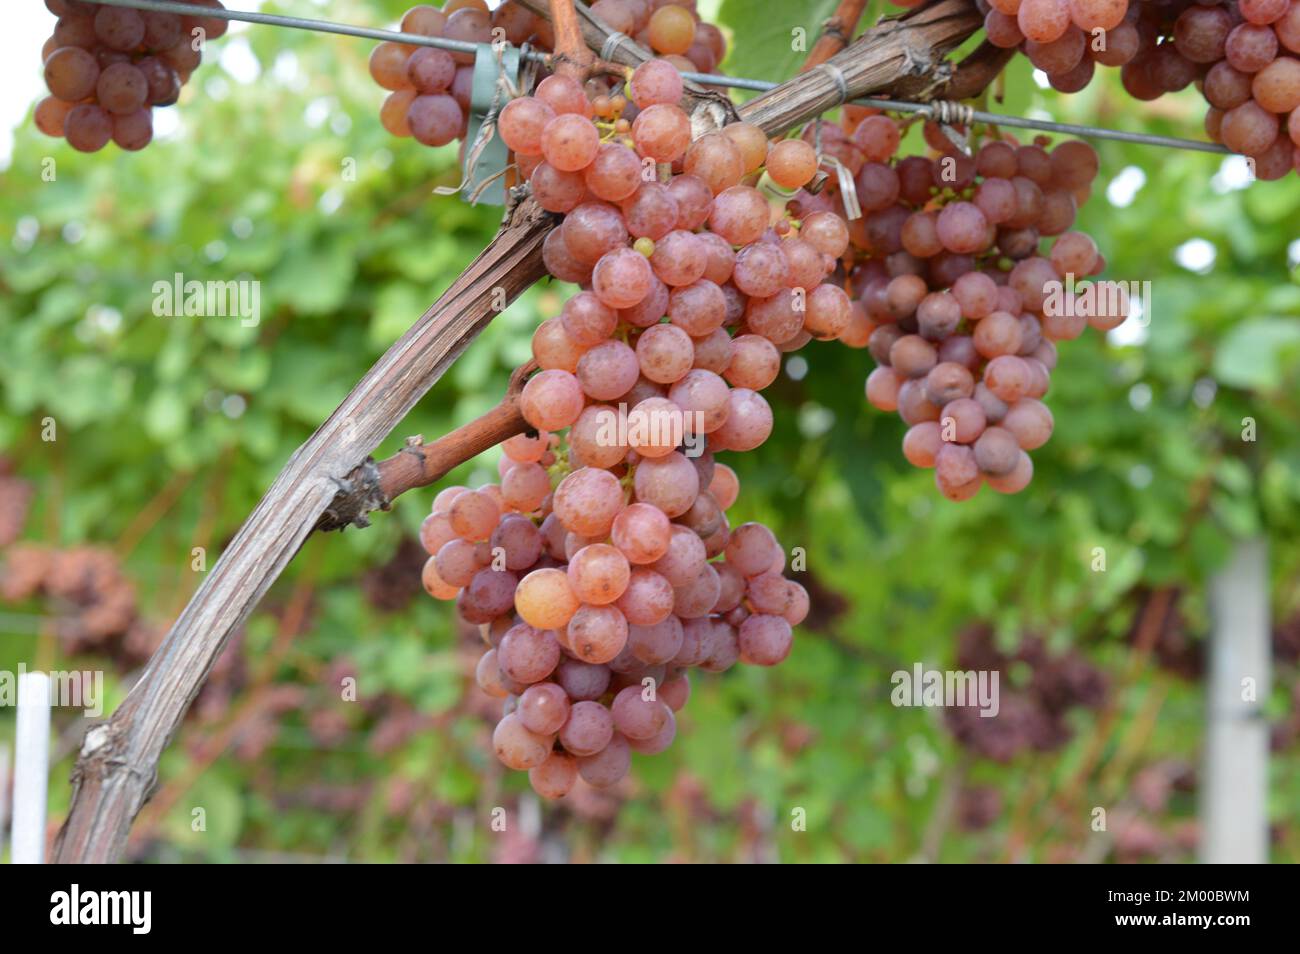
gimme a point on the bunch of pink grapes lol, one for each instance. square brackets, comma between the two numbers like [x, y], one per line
[1243, 55]
[431, 88]
[603, 567]
[108, 67]
[954, 290]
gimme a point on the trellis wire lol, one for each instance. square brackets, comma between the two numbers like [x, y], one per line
[708, 79]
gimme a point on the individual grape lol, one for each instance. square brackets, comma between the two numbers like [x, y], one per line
[913, 404]
[589, 729]
[996, 451]
[661, 740]
[636, 717]
[521, 121]
[777, 318]
[587, 500]
[641, 532]
[597, 633]
[1043, 20]
[649, 309]
[1093, 15]
[922, 442]
[621, 278]
[425, 20]
[608, 370]
[1060, 55]
[71, 74]
[434, 584]
[665, 353]
[651, 212]
[693, 200]
[698, 308]
[121, 89]
[654, 425]
[954, 465]
[740, 215]
[755, 363]
[764, 640]
[648, 598]
[551, 400]
[555, 777]
[761, 270]
[1249, 128]
[1250, 47]
[434, 120]
[598, 575]
[489, 594]
[1276, 87]
[1226, 87]
[962, 420]
[615, 173]
[679, 258]
[393, 112]
[827, 312]
[1015, 481]
[826, 232]
[1008, 377]
[962, 228]
[748, 423]
[388, 66]
[792, 163]
[883, 385]
[669, 483]
[702, 397]
[119, 28]
[582, 681]
[1262, 11]
[721, 648]
[608, 766]
[671, 30]
[516, 747]
[431, 70]
[50, 114]
[662, 132]
[653, 645]
[655, 82]
[715, 160]
[570, 142]
[545, 600]
[87, 127]
[557, 191]
[470, 25]
[752, 142]
[1030, 422]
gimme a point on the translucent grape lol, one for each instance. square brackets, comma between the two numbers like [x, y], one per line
[551, 400]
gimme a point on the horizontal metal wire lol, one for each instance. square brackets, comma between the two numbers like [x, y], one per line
[708, 79]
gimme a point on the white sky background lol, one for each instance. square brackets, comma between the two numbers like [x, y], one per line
[27, 26]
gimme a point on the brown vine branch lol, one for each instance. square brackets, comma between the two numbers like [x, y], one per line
[571, 54]
[376, 486]
[836, 33]
[117, 769]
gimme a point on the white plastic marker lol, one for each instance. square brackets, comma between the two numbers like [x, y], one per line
[31, 769]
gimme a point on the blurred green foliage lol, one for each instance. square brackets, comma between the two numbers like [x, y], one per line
[1147, 462]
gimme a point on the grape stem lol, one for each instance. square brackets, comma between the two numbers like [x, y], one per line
[375, 486]
[571, 54]
[836, 33]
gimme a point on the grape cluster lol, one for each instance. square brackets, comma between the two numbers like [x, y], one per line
[107, 67]
[96, 602]
[1243, 55]
[1032, 707]
[955, 301]
[602, 566]
[431, 88]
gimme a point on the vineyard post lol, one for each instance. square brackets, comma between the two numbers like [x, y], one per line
[31, 769]
[1234, 807]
